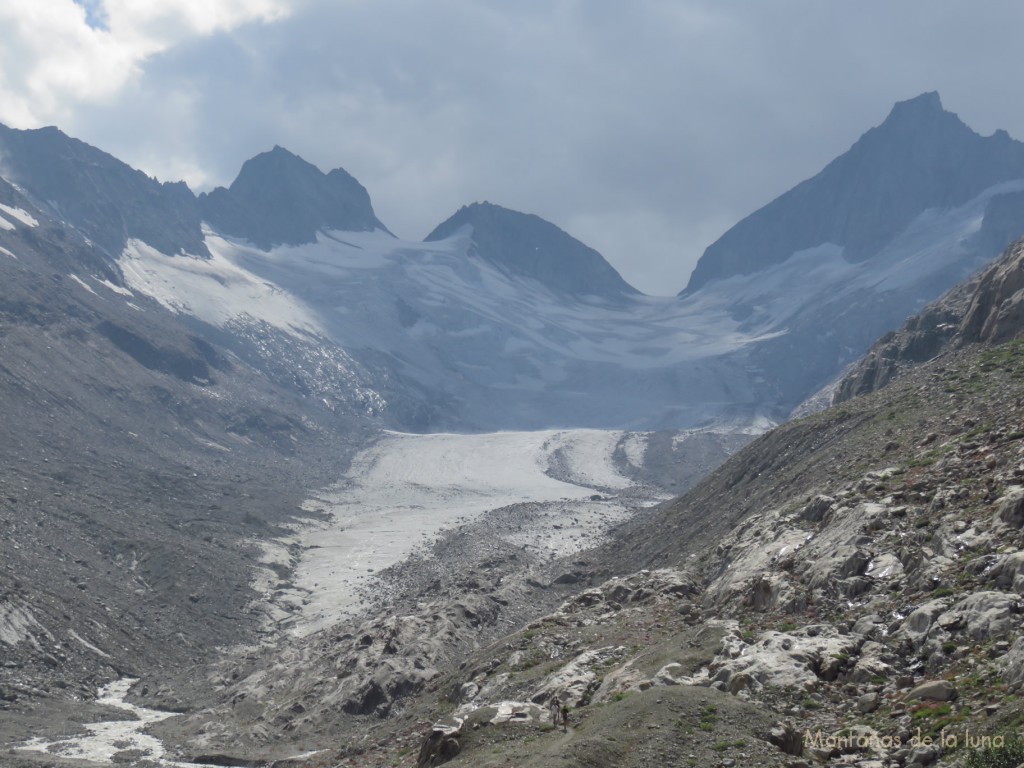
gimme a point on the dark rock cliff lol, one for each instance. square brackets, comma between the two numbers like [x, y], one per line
[280, 199]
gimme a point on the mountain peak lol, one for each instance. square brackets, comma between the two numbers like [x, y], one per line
[920, 157]
[280, 198]
[526, 245]
[924, 105]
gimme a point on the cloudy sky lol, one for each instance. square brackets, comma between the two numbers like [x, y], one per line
[644, 128]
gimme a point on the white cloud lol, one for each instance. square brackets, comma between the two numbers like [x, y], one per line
[53, 60]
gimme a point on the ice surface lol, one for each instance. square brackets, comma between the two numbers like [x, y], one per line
[115, 288]
[403, 490]
[635, 447]
[215, 289]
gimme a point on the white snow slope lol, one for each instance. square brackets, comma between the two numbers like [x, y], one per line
[488, 350]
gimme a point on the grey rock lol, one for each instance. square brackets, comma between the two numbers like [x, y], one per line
[868, 702]
[1013, 663]
[815, 509]
[1010, 507]
[279, 198]
[911, 166]
[787, 738]
[935, 690]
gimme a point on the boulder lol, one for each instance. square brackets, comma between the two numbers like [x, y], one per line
[934, 690]
[815, 510]
[916, 626]
[782, 660]
[440, 746]
[1013, 664]
[1008, 572]
[787, 738]
[867, 626]
[670, 674]
[875, 662]
[1010, 507]
[982, 615]
[868, 702]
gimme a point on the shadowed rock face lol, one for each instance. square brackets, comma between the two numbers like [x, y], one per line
[105, 199]
[280, 199]
[526, 245]
[921, 157]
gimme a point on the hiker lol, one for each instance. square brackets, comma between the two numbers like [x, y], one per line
[555, 710]
[565, 718]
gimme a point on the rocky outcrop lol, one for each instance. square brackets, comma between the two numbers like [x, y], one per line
[988, 309]
[921, 338]
[996, 311]
[439, 747]
[796, 661]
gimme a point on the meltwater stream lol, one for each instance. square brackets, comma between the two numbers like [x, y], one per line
[114, 738]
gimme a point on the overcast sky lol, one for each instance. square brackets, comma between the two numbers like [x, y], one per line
[644, 128]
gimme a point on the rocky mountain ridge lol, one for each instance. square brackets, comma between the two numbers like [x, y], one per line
[920, 157]
[527, 245]
[280, 199]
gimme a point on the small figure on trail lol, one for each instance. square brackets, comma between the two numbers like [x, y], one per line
[565, 718]
[555, 710]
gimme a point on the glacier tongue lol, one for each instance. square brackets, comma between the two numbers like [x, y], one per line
[405, 489]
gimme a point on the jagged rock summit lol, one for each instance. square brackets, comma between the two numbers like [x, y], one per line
[280, 199]
[527, 245]
[920, 157]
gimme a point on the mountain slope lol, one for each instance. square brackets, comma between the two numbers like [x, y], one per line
[920, 158]
[987, 308]
[526, 245]
[856, 572]
[140, 460]
[103, 198]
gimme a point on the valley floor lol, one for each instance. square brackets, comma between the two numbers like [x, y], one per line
[549, 494]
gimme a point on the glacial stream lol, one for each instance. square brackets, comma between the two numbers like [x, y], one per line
[123, 739]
